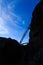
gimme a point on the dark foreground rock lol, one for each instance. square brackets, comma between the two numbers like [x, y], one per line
[11, 52]
[36, 36]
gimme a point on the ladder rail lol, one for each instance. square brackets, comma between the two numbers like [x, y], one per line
[24, 34]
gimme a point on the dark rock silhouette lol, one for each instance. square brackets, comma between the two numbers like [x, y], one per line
[36, 36]
[13, 53]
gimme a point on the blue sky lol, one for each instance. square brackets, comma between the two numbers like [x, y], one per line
[15, 17]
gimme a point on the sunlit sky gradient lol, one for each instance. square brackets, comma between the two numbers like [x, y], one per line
[15, 17]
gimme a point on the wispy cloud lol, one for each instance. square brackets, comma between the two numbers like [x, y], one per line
[17, 20]
[3, 29]
[11, 5]
[10, 23]
[11, 17]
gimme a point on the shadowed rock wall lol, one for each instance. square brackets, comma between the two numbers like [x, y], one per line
[11, 52]
[36, 36]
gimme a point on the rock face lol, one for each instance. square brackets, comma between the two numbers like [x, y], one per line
[36, 36]
[11, 52]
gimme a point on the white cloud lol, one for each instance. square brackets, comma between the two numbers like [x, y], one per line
[3, 29]
[9, 19]
[8, 15]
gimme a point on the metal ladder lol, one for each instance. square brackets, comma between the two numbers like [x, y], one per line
[24, 34]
